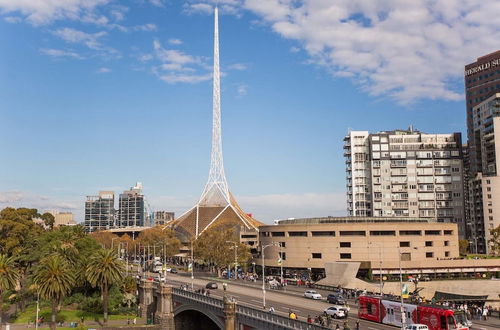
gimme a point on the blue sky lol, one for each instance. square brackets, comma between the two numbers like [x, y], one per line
[99, 94]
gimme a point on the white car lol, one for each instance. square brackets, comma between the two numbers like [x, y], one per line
[337, 312]
[312, 294]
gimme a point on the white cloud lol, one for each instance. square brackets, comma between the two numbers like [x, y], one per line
[12, 19]
[104, 70]
[271, 207]
[178, 67]
[174, 41]
[242, 90]
[405, 49]
[294, 49]
[195, 8]
[157, 3]
[40, 202]
[237, 66]
[58, 53]
[146, 27]
[45, 11]
[90, 40]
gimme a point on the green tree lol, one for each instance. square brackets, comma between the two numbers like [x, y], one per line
[54, 279]
[104, 269]
[495, 240]
[213, 248]
[161, 238]
[8, 278]
[48, 219]
[463, 246]
[18, 232]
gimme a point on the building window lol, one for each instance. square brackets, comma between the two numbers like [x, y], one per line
[429, 254]
[352, 233]
[345, 244]
[428, 243]
[433, 232]
[446, 253]
[404, 244]
[278, 233]
[323, 233]
[448, 232]
[297, 233]
[383, 233]
[316, 255]
[282, 255]
[282, 244]
[446, 243]
[410, 232]
[345, 256]
[406, 256]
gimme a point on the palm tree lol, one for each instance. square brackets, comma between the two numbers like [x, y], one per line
[55, 280]
[104, 268]
[8, 277]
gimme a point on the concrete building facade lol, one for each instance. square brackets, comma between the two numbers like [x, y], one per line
[405, 173]
[484, 186]
[100, 211]
[162, 218]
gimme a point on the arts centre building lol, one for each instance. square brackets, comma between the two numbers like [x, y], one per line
[374, 244]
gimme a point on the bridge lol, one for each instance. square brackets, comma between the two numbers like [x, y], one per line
[172, 308]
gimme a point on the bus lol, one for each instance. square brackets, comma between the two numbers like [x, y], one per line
[386, 311]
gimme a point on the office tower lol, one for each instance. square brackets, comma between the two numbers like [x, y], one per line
[484, 186]
[163, 217]
[482, 79]
[405, 173]
[132, 212]
[100, 211]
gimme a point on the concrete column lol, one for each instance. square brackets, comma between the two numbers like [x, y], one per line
[165, 308]
[230, 313]
[145, 297]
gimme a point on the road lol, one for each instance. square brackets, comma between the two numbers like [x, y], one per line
[250, 294]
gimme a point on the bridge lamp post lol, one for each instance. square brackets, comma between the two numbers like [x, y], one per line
[235, 258]
[263, 274]
[192, 266]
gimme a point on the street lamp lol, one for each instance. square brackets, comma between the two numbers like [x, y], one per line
[235, 258]
[192, 267]
[263, 274]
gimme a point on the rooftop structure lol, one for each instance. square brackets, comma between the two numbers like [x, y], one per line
[216, 204]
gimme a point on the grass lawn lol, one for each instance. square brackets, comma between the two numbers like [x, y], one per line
[69, 315]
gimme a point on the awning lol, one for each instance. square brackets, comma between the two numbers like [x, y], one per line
[445, 296]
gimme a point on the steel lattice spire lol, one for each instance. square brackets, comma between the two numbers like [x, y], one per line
[216, 190]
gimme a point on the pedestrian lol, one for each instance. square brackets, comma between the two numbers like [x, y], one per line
[208, 293]
[128, 321]
[346, 326]
[337, 327]
[485, 313]
[357, 325]
[309, 319]
[271, 310]
[82, 319]
[224, 285]
[134, 322]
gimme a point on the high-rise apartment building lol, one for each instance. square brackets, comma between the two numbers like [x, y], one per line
[132, 211]
[405, 173]
[484, 186]
[100, 211]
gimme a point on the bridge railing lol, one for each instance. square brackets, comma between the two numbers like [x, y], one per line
[199, 297]
[275, 319]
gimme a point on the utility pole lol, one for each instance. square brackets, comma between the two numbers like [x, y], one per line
[281, 263]
[235, 245]
[192, 267]
[403, 315]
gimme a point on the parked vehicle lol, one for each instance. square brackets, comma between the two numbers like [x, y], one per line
[173, 270]
[335, 299]
[337, 312]
[211, 285]
[382, 310]
[312, 295]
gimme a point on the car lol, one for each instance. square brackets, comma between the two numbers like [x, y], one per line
[211, 285]
[417, 327]
[173, 270]
[337, 312]
[168, 269]
[312, 294]
[335, 299]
